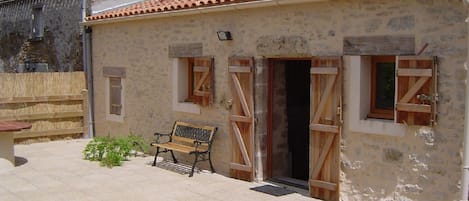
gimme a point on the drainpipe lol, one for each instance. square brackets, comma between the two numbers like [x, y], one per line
[465, 166]
[88, 69]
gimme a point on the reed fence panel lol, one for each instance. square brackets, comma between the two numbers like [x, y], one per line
[55, 103]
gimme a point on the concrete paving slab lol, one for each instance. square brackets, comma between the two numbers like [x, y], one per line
[9, 197]
[56, 171]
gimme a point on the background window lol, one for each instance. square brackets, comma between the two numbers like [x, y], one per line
[37, 16]
[382, 87]
[190, 81]
[182, 87]
[196, 80]
[115, 93]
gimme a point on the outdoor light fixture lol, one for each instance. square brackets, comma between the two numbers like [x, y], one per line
[224, 35]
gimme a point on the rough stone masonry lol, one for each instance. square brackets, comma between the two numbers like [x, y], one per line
[423, 164]
[60, 47]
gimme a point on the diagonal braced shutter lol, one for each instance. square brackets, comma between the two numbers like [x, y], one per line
[203, 80]
[325, 127]
[416, 90]
[242, 117]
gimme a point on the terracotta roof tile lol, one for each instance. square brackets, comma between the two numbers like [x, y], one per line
[155, 6]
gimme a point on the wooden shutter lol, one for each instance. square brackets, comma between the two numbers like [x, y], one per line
[242, 117]
[203, 80]
[325, 127]
[416, 90]
[115, 88]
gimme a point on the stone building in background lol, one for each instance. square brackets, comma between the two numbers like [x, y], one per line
[40, 35]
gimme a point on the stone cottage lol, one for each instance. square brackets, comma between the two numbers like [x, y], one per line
[40, 35]
[351, 99]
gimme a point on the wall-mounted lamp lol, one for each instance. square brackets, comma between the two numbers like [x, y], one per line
[224, 35]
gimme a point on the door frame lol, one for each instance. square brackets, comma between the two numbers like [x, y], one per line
[270, 106]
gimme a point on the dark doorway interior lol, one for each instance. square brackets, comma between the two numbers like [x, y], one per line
[290, 116]
[297, 78]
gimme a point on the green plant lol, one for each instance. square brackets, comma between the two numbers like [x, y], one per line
[112, 151]
[138, 144]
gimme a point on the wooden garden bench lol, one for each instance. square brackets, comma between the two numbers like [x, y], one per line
[189, 139]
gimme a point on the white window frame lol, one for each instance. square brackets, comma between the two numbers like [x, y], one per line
[180, 84]
[109, 116]
[357, 89]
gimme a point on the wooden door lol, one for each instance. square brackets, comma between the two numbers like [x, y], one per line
[242, 117]
[325, 127]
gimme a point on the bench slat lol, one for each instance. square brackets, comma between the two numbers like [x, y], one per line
[176, 147]
[188, 142]
[183, 139]
[180, 147]
[210, 128]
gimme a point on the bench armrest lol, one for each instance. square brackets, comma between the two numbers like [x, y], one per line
[197, 143]
[159, 135]
[162, 134]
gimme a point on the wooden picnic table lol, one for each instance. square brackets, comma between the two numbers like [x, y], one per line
[13, 126]
[7, 129]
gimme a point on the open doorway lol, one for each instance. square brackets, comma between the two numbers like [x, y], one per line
[289, 126]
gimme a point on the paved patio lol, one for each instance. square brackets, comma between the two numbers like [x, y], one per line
[56, 171]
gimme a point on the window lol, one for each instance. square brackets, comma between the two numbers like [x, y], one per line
[182, 87]
[37, 29]
[384, 94]
[190, 81]
[192, 84]
[114, 93]
[382, 87]
[358, 94]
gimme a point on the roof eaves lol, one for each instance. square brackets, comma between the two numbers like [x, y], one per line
[194, 11]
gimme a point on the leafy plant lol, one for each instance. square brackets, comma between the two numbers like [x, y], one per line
[138, 144]
[111, 151]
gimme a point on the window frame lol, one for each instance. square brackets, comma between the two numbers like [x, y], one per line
[379, 113]
[357, 96]
[190, 80]
[180, 88]
[111, 95]
[109, 73]
[37, 22]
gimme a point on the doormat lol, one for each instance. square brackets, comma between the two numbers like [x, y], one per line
[273, 190]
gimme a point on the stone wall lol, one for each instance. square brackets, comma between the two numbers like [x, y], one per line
[60, 47]
[280, 152]
[424, 164]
